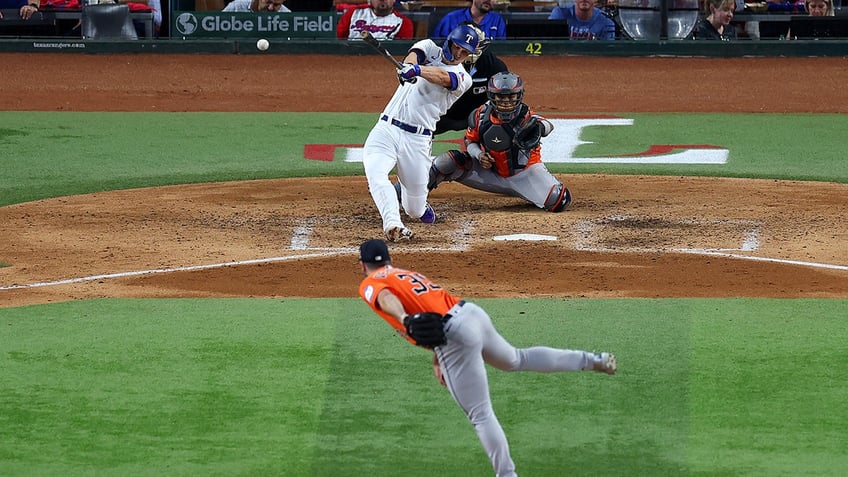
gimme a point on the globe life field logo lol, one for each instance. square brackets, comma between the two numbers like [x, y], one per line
[186, 24]
[220, 24]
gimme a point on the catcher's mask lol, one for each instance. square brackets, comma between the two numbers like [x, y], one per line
[506, 92]
[463, 36]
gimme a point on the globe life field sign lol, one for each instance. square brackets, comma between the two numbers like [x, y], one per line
[218, 24]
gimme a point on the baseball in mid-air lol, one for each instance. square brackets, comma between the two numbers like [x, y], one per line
[262, 44]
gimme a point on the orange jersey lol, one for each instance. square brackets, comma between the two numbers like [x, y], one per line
[415, 291]
[495, 137]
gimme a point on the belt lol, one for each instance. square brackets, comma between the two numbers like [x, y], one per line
[407, 127]
[456, 308]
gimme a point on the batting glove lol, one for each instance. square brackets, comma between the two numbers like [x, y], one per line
[409, 71]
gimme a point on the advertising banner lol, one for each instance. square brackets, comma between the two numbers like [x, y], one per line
[217, 24]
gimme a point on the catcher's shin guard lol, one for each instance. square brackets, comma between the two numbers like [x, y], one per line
[448, 166]
[558, 199]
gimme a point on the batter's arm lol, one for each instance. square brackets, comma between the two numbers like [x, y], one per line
[433, 74]
[391, 304]
[437, 75]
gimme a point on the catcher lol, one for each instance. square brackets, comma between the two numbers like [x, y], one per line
[504, 152]
[463, 340]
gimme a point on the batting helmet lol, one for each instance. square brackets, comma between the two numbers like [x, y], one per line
[463, 36]
[482, 43]
[506, 92]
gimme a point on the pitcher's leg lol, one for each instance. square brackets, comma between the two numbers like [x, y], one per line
[465, 376]
[541, 359]
[498, 352]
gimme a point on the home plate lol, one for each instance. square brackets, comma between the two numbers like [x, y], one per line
[529, 237]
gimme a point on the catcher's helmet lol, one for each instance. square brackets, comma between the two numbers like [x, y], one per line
[463, 36]
[506, 92]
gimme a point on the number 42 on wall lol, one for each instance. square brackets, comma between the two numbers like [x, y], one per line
[533, 48]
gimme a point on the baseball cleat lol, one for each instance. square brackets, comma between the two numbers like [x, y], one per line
[398, 233]
[566, 201]
[605, 363]
[429, 216]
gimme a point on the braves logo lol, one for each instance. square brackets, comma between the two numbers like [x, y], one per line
[362, 25]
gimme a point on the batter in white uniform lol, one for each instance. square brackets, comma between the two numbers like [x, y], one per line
[431, 80]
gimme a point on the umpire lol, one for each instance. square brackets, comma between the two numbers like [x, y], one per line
[481, 67]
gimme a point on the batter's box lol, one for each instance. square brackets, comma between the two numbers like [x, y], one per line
[313, 235]
[629, 233]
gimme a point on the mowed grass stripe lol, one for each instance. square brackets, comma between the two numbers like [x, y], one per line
[162, 387]
[68, 153]
[323, 387]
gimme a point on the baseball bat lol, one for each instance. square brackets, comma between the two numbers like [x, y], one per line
[374, 43]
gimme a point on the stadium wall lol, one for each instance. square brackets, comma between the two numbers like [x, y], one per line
[796, 48]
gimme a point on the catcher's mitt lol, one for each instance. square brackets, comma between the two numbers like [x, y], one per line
[427, 329]
[529, 135]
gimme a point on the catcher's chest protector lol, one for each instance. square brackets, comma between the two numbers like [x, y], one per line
[497, 138]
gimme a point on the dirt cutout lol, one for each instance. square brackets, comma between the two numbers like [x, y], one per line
[625, 236]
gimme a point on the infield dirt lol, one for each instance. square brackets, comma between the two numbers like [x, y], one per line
[625, 236]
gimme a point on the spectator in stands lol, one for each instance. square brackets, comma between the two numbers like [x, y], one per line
[481, 65]
[585, 21]
[378, 17]
[815, 8]
[480, 12]
[819, 8]
[716, 25]
[257, 6]
[26, 8]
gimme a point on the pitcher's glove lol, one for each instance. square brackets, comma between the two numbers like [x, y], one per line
[529, 135]
[427, 329]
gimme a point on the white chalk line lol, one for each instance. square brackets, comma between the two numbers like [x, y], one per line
[751, 243]
[767, 259]
[300, 242]
[190, 268]
[301, 234]
[727, 253]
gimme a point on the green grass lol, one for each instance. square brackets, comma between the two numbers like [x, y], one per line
[58, 154]
[73, 153]
[323, 387]
[761, 145]
[297, 387]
